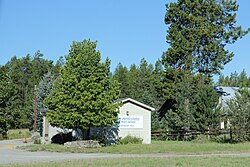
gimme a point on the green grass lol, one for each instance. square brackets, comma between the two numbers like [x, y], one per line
[173, 147]
[18, 134]
[142, 162]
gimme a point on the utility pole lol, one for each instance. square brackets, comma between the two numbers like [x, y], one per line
[34, 109]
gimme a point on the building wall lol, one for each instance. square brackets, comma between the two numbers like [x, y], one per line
[145, 131]
[128, 109]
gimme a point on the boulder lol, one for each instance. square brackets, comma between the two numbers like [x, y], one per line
[83, 144]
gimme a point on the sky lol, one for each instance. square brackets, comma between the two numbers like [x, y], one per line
[126, 31]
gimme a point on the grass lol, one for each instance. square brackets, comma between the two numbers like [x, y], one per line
[173, 147]
[142, 162]
[18, 134]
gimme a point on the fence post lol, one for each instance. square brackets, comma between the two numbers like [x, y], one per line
[231, 135]
[208, 136]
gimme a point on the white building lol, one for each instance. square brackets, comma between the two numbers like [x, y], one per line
[134, 119]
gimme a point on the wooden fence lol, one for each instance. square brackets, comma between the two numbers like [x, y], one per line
[189, 135]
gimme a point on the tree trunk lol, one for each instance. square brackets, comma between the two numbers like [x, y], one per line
[88, 134]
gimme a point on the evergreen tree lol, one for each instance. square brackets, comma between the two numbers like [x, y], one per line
[239, 115]
[43, 90]
[121, 75]
[198, 34]
[194, 105]
[57, 68]
[233, 79]
[24, 74]
[10, 116]
[83, 96]
[226, 82]
[242, 79]
[5, 116]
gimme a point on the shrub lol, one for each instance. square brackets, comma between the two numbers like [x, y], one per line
[130, 140]
[201, 139]
[37, 141]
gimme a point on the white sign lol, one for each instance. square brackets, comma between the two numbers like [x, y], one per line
[131, 121]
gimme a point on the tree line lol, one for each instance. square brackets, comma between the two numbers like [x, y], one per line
[235, 80]
[80, 92]
[18, 78]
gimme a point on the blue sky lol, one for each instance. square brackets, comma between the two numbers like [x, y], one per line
[126, 31]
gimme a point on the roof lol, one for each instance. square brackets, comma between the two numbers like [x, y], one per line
[126, 100]
[226, 94]
[168, 104]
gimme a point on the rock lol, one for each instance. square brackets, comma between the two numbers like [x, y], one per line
[83, 144]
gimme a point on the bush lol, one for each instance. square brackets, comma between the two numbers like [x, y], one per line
[201, 139]
[37, 141]
[130, 140]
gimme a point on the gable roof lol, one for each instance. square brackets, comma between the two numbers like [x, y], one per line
[126, 100]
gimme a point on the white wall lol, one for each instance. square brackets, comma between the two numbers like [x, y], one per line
[133, 110]
[145, 131]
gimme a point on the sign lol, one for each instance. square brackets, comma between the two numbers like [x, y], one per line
[130, 121]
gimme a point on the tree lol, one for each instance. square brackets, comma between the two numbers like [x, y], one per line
[194, 105]
[5, 117]
[242, 79]
[10, 116]
[24, 73]
[239, 115]
[198, 33]
[121, 75]
[142, 83]
[235, 80]
[43, 90]
[57, 68]
[83, 96]
[207, 113]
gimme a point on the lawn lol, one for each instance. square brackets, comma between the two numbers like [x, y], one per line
[172, 147]
[18, 134]
[180, 155]
[142, 162]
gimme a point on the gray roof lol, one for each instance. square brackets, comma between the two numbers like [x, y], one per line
[226, 94]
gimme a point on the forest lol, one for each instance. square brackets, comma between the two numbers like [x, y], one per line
[79, 89]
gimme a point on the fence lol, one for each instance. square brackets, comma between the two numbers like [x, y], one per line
[189, 134]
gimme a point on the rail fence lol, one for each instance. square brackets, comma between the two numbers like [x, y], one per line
[190, 134]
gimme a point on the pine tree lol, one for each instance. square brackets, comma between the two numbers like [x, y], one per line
[10, 116]
[43, 90]
[5, 116]
[242, 79]
[198, 32]
[239, 115]
[83, 96]
[121, 75]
